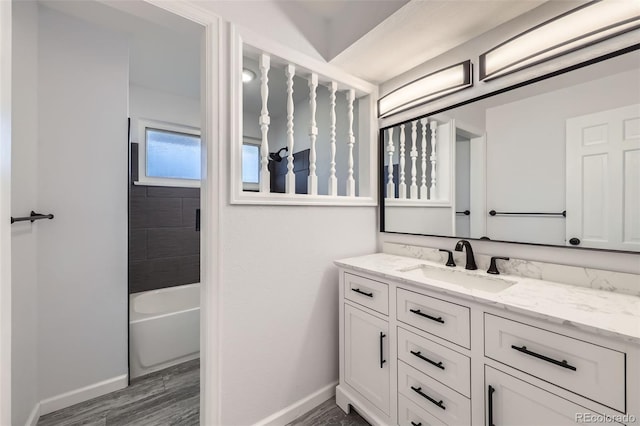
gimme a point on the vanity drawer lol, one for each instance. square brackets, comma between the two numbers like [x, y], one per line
[435, 316]
[593, 371]
[366, 292]
[443, 364]
[432, 396]
[410, 414]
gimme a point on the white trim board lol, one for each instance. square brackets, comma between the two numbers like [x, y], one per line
[86, 393]
[298, 408]
[34, 416]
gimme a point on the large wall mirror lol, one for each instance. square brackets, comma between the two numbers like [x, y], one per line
[553, 162]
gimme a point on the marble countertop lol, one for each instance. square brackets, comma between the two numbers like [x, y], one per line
[596, 311]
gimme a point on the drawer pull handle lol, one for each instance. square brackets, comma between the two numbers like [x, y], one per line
[562, 363]
[424, 395]
[490, 404]
[357, 290]
[424, 358]
[382, 360]
[417, 312]
[416, 424]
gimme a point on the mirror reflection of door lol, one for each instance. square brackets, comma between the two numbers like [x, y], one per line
[603, 179]
[463, 189]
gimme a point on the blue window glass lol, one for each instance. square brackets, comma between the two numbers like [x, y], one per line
[172, 155]
[250, 163]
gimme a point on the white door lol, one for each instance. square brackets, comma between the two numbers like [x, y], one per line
[513, 402]
[603, 179]
[366, 343]
[478, 187]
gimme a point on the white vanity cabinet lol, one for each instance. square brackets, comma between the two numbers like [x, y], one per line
[411, 355]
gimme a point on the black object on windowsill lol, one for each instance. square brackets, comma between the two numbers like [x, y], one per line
[32, 217]
[450, 261]
[493, 268]
[495, 213]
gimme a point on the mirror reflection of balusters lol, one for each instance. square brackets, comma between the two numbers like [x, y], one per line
[413, 191]
[433, 190]
[423, 187]
[402, 187]
[391, 188]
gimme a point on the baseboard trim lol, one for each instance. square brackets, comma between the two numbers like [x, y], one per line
[86, 393]
[298, 408]
[34, 416]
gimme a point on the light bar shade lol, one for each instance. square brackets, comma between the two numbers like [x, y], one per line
[426, 89]
[581, 27]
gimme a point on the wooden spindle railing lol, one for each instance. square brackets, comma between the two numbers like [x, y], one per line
[351, 182]
[265, 121]
[333, 180]
[312, 180]
[290, 180]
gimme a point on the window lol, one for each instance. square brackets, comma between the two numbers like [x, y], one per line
[169, 154]
[250, 166]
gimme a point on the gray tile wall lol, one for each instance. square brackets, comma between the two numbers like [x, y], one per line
[164, 247]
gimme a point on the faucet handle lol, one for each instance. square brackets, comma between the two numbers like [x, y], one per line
[493, 268]
[450, 261]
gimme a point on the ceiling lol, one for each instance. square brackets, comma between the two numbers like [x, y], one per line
[422, 30]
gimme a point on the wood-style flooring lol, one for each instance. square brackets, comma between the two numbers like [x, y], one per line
[171, 397]
[167, 397]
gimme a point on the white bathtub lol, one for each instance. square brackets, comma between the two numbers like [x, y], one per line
[164, 328]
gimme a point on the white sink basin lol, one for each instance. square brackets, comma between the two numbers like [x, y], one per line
[457, 277]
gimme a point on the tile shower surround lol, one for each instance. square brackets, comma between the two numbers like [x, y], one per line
[164, 247]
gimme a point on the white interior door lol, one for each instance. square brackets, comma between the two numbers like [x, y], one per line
[478, 187]
[603, 179]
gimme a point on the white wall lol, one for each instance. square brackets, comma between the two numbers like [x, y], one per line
[526, 159]
[147, 103]
[570, 256]
[82, 155]
[24, 198]
[279, 287]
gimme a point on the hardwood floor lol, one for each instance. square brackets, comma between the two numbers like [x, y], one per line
[167, 397]
[329, 414]
[171, 397]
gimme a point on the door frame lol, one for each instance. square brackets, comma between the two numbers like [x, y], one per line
[5, 212]
[212, 108]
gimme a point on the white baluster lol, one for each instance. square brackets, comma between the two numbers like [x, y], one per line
[433, 191]
[290, 182]
[414, 156]
[423, 187]
[402, 187]
[333, 180]
[265, 121]
[351, 182]
[312, 181]
[391, 189]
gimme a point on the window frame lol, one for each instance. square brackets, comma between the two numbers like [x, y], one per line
[142, 125]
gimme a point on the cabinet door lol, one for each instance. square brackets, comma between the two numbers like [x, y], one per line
[366, 343]
[513, 402]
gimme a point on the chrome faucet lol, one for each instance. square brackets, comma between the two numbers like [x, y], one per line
[471, 261]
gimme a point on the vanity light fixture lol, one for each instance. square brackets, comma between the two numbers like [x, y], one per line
[426, 89]
[248, 75]
[583, 26]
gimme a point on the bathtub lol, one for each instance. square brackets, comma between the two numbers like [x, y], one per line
[164, 328]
